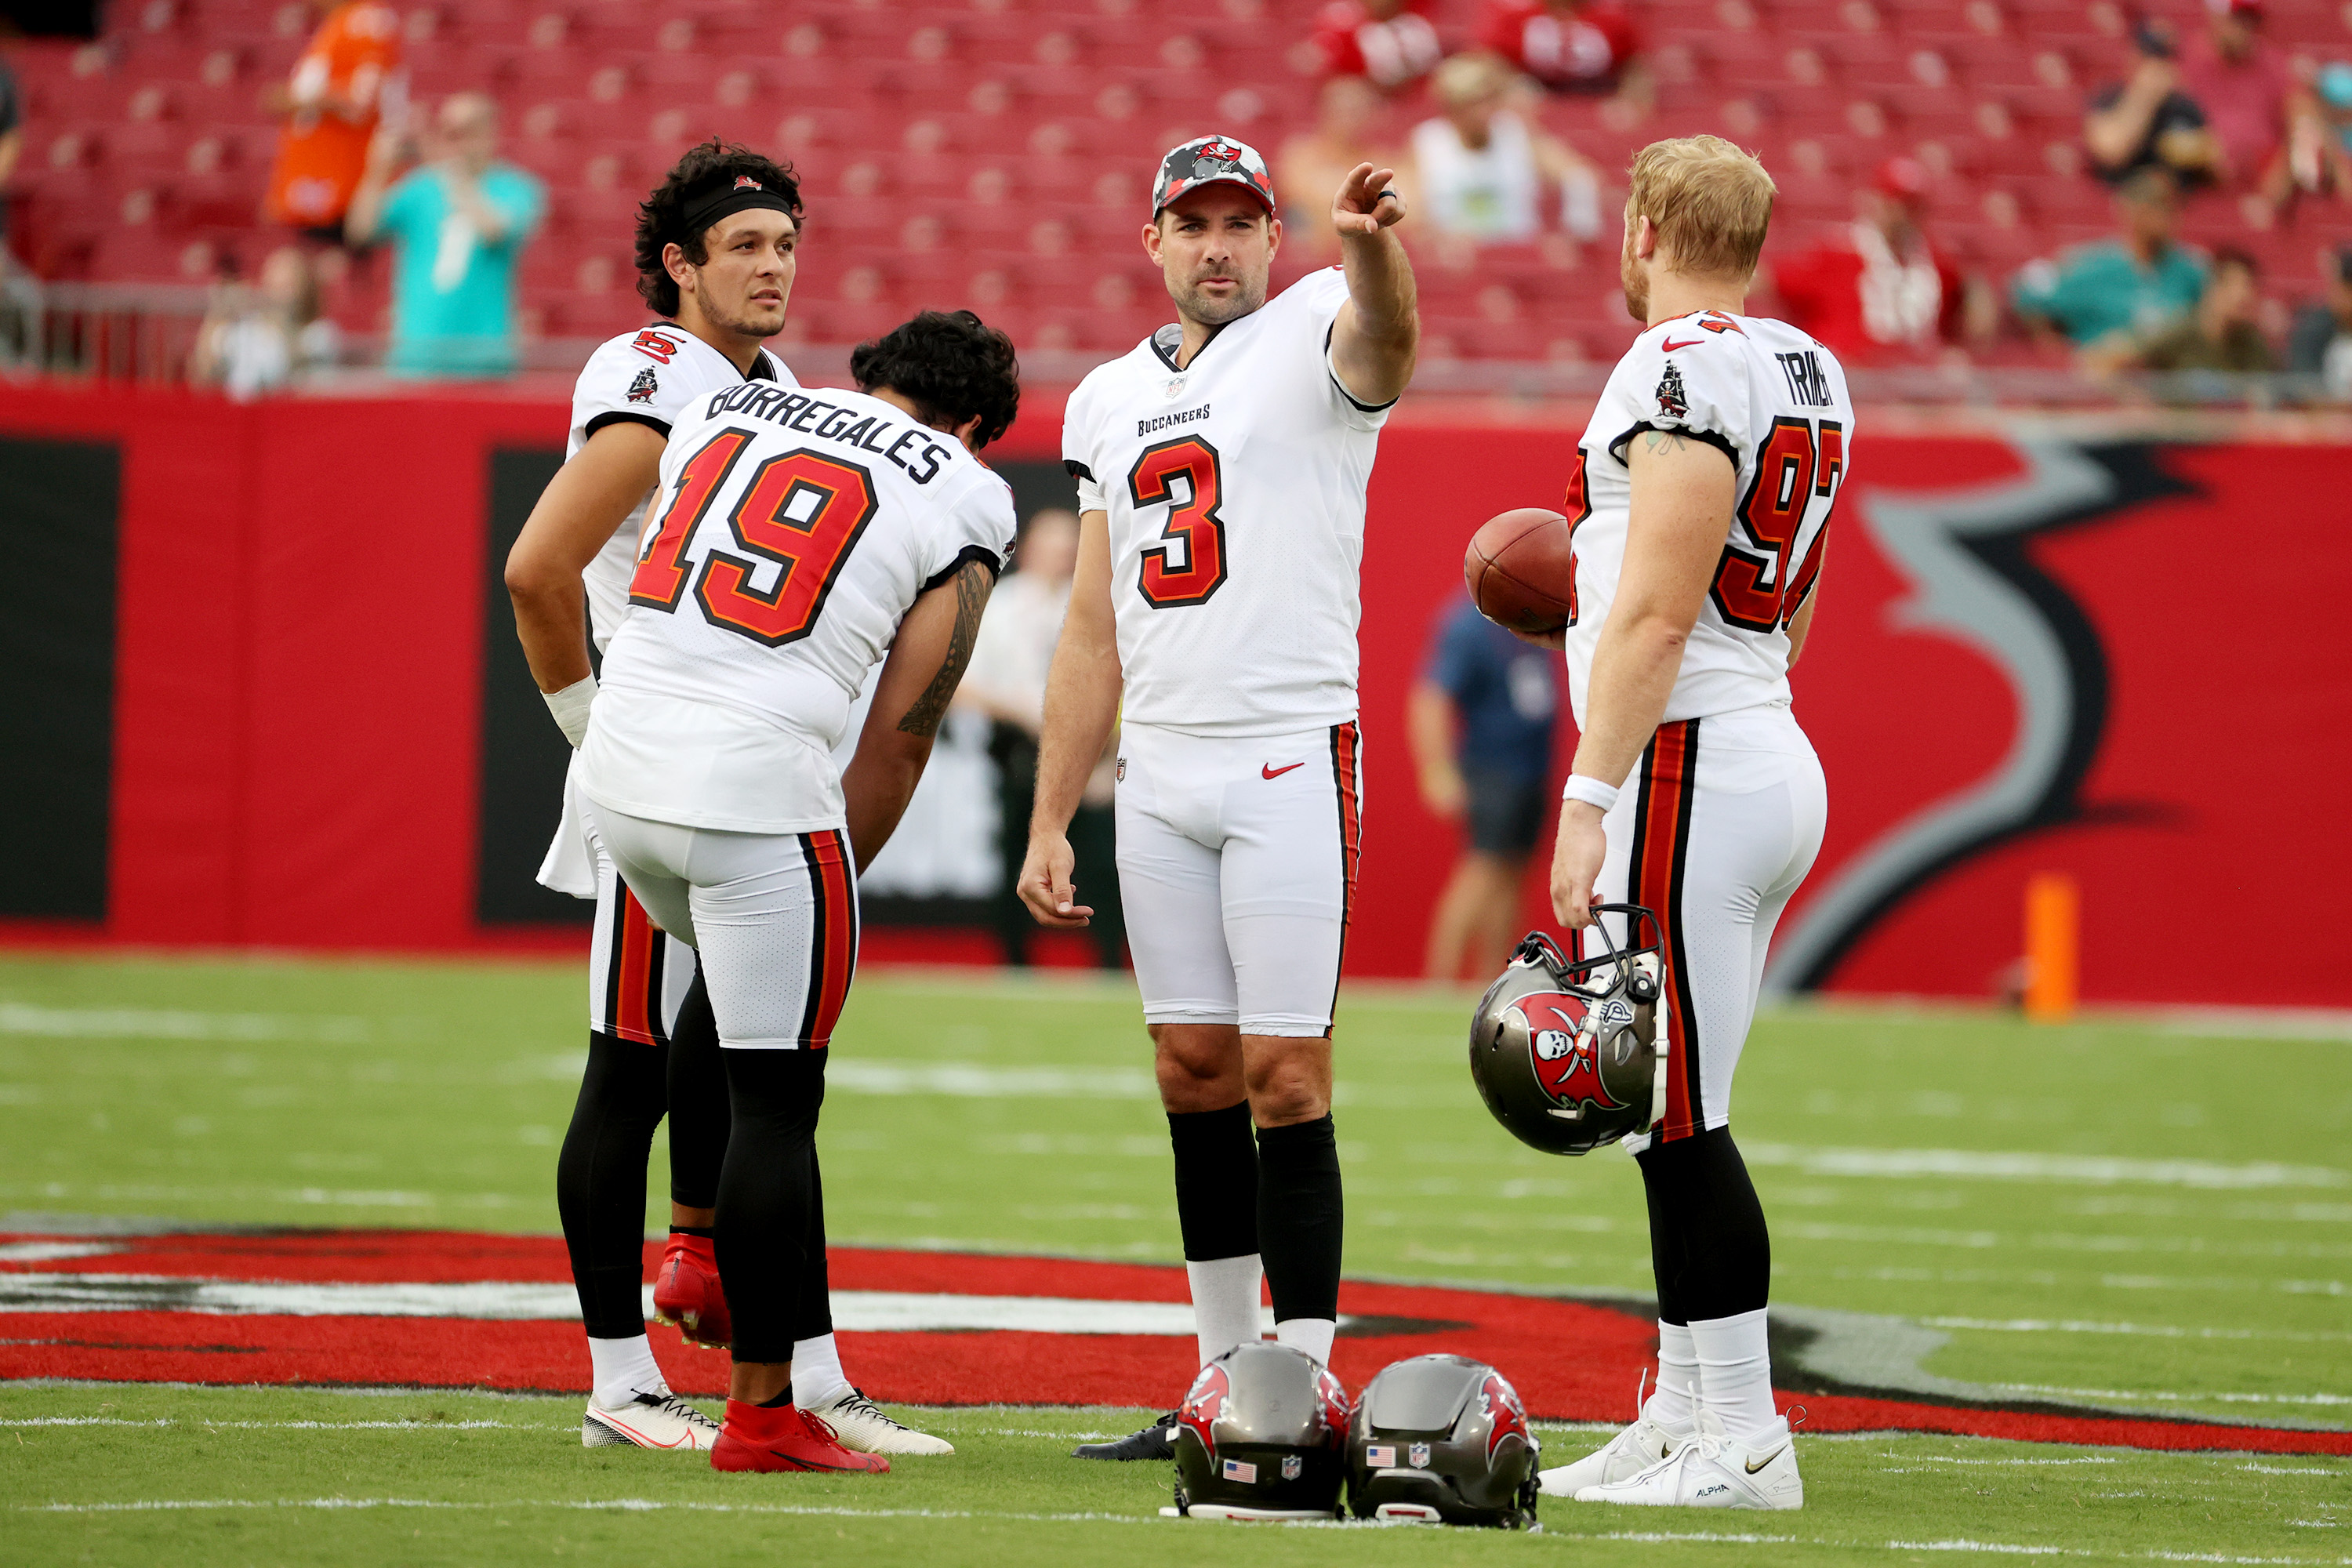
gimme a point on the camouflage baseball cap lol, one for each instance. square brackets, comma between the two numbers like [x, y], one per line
[1208, 161]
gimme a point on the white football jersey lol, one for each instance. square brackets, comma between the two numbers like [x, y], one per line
[1235, 493]
[1775, 402]
[649, 376]
[791, 532]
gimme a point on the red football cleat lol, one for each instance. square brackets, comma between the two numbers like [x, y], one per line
[687, 1292]
[757, 1438]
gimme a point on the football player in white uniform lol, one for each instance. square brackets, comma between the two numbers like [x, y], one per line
[1221, 469]
[716, 246]
[802, 536]
[1701, 494]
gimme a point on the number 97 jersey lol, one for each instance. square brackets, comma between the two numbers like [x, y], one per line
[1774, 402]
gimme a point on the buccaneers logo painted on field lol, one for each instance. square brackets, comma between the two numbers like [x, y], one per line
[1565, 1063]
[1204, 1404]
[1505, 1411]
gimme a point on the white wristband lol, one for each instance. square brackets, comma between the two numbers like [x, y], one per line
[1590, 790]
[571, 707]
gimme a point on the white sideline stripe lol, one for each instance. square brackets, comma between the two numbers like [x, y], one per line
[54, 1251]
[853, 1074]
[1978, 1165]
[871, 1312]
[2077, 1326]
[2159, 1394]
[158, 1024]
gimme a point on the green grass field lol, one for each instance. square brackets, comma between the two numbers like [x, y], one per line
[2128, 1214]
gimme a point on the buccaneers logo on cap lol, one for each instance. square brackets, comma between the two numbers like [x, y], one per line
[1565, 1064]
[1503, 1408]
[1217, 150]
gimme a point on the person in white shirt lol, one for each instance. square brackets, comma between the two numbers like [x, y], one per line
[801, 539]
[1481, 169]
[1222, 467]
[717, 250]
[1700, 496]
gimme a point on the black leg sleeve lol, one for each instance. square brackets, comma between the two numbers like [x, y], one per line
[600, 1182]
[763, 1231]
[813, 1317]
[1301, 1217]
[1216, 1182]
[698, 1102]
[1702, 1186]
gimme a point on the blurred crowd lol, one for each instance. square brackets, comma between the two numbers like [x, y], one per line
[2214, 112]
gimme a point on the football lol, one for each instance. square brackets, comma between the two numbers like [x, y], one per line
[1520, 573]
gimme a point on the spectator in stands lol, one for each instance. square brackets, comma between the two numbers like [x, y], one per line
[1314, 163]
[1879, 290]
[2146, 121]
[1389, 43]
[1480, 168]
[2321, 342]
[1571, 45]
[12, 134]
[346, 82]
[1006, 680]
[1480, 722]
[2138, 282]
[255, 341]
[458, 223]
[2247, 92]
[2221, 333]
[2319, 137]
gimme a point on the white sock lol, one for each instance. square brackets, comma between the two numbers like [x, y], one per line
[623, 1369]
[816, 1372]
[1735, 1372]
[1670, 1403]
[1312, 1335]
[1225, 1303]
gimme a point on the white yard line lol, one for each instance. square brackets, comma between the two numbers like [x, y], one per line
[176, 1024]
[2157, 1331]
[2024, 1165]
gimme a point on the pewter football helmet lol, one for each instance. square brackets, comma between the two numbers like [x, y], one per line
[1443, 1440]
[1262, 1434]
[1566, 1051]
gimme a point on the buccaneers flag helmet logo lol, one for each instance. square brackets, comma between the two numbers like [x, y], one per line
[1204, 1402]
[1503, 1410]
[1565, 1063]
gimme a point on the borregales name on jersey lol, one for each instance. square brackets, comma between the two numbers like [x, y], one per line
[812, 416]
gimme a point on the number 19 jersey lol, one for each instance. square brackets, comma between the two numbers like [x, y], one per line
[1774, 402]
[791, 532]
[1235, 488]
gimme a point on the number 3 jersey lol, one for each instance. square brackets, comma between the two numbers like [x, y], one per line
[791, 532]
[1235, 493]
[1774, 402]
[650, 377]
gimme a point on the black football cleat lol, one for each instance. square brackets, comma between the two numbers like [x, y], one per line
[1156, 1441]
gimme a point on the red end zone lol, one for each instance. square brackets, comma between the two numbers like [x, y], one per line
[78, 1308]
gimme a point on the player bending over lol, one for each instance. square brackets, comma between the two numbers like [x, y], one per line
[804, 536]
[1703, 484]
[716, 246]
[1221, 469]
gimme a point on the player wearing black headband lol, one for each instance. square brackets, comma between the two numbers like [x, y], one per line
[716, 246]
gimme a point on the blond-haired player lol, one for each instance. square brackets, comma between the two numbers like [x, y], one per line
[1701, 494]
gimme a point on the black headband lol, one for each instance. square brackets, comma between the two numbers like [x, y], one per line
[744, 196]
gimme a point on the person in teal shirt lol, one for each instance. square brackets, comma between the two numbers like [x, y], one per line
[458, 223]
[2136, 284]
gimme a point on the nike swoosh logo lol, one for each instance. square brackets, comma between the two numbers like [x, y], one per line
[1756, 1465]
[1669, 345]
[1268, 770]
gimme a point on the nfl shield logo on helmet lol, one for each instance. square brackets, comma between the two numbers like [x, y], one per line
[1418, 1455]
[1292, 1465]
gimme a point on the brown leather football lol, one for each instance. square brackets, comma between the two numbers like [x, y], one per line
[1520, 573]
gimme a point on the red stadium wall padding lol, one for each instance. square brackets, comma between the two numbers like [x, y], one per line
[2105, 660]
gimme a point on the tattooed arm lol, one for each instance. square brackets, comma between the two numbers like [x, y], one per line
[926, 665]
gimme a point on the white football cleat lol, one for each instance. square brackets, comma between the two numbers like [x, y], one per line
[1622, 1458]
[860, 1425]
[1712, 1470]
[649, 1421]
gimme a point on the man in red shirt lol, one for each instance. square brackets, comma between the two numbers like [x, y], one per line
[2248, 94]
[1389, 43]
[1879, 291]
[1569, 45]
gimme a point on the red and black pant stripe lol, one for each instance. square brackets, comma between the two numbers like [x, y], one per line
[833, 936]
[635, 950]
[1661, 849]
[1346, 779]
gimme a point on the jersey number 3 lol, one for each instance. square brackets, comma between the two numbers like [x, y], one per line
[1754, 588]
[1188, 564]
[802, 511]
